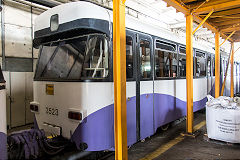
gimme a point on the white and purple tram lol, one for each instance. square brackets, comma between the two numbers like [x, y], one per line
[73, 83]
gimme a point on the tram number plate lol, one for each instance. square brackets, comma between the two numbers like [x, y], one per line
[52, 111]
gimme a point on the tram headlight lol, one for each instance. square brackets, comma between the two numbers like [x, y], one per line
[34, 107]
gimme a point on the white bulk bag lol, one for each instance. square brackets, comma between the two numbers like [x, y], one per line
[223, 122]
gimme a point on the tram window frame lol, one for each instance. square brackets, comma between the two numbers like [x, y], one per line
[183, 54]
[174, 51]
[62, 41]
[133, 59]
[140, 58]
[195, 63]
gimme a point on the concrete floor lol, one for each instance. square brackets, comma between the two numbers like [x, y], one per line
[171, 145]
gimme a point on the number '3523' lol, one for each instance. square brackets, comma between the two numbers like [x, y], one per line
[52, 111]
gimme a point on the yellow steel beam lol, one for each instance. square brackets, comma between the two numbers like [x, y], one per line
[206, 25]
[217, 64]
[227, 38]
[186, 11]
[226, 72]
[204, 20]
[119, 66]
[179, 7]
[219, 7]
[232, 69]
[229, 28]
[194, 10]
[233, 21]
[221, 19]
[211, 3]
[225, 13]
[189, 72]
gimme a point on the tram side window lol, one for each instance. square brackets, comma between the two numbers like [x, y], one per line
[209, 66]
[145, 59]
[165, 60]
[129, 57]
[200, 64]
[182, 62]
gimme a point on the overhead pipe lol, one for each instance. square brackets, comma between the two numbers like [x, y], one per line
[46, 3]
[29, 4]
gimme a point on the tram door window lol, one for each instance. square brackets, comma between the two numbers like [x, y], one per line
[182, 62]
[165, 60]
[209, 66]
[129, 57]
[200, 64]
[145, 59]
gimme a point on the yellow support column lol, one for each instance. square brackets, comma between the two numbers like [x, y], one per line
[232, 69]
[217, 64]
[119, 71]
[189, 72]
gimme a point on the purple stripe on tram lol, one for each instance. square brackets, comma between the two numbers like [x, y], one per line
[97, 130]
[3, 146]
[168, 108]
[146, 116]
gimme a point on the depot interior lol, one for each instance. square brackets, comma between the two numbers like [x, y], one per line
[184, 138]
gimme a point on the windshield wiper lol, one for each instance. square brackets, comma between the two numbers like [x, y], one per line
[75, 60]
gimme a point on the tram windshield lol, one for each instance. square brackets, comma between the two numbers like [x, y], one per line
[85, 57]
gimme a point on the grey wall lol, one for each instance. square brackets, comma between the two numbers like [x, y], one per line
[17, 30]
[20, 60]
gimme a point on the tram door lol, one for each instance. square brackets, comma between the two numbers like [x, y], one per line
[144, 86]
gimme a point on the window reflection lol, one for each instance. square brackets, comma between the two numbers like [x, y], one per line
[200, 64]
[165, 60]
[166, 64]
[209, 71]
[129, 57]
[182, 62]
[145, 59]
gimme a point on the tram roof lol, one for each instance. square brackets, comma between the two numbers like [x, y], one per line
[83, 9]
